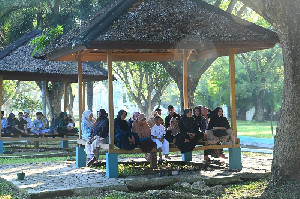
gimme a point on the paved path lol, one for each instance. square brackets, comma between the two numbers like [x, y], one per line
[55, 178]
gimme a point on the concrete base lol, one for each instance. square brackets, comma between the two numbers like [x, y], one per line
[1, 147]
[235, 159]
[187, 157]
[80, 157]
[64, 144]
[111, 165]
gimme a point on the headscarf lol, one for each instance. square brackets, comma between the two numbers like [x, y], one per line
[199, 117]
[103, 115]
[62, 114]
[174, 128]
[86, 118]
[188, 122]
[142, 129]
[135, 116]
[122, 123]
[10, 120]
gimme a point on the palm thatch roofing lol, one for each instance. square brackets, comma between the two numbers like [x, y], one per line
[156, 30]
[16, 63]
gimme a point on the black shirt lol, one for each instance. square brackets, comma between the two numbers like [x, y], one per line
[20, 123]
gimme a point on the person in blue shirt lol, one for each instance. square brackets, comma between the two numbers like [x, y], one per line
[3, 123]
[39, 125]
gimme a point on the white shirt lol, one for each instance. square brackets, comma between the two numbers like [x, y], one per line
[158, 131]
[28, 120]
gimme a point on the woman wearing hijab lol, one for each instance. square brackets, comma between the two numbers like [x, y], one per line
[132, 119]
[143, 130]
[151, 121]
[11, 123]
[172, 131]
[124, 138]
[219, 130]
[87, 125]
[200, 120]
[189, 132]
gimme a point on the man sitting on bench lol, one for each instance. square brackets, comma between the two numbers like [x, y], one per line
[39, 125]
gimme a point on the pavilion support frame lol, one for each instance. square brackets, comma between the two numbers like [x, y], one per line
[232, 90]
[110, 100]
[80, 92]
[65, 96]
[185, 81]
[84, 94]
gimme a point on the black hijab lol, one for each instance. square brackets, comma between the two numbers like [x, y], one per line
[11, 120]
[122, 123]
[199, 117]
[188, 123]
[218, 121]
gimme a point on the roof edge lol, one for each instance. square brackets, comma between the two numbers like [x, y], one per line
[24, 39]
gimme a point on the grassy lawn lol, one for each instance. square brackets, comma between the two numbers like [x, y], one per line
[256, 129]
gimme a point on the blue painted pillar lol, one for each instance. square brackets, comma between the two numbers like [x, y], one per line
[64, 144]
[235, 159]
[187, 157]
[80, 157]
[111, 165]
[1, 146]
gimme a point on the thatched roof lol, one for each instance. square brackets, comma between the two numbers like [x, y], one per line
[155, 26]
[16, 63]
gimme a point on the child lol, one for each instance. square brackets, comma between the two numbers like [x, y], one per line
[157, 134]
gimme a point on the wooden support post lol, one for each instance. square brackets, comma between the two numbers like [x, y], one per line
[232, 91]
[80, 93]
[1, 87]
[84, 94]
[110, 101]
[185, 83]
[44, 98]
[65, 96]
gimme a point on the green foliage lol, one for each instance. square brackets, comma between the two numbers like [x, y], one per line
[143, 80]
[9, 88]
[22, 102]
[44, 40]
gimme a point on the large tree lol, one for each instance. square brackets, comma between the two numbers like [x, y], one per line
[284, 16]
[144, 81]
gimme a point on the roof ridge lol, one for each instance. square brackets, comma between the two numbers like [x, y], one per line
[24, 39]
[103, 22]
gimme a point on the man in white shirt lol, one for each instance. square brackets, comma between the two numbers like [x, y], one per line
[27, 118]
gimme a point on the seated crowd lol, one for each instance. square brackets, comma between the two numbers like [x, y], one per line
[23, 126]
[184, 131]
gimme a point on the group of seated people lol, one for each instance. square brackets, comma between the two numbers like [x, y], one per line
[23, 126]
[184, 131]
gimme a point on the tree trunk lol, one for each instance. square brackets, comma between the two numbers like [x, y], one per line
[286, 149]
[89, 93]
[71, 98]
[259, 106]
[241, 114]
[285, 17]
[53, 96]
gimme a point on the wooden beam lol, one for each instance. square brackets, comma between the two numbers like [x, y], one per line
[80, 93]
[110, 102]
[84, 95]
[65, 96]
[232, 90]
[1, 87]
[185, 81]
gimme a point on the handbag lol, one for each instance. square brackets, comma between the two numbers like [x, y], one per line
[219, 132]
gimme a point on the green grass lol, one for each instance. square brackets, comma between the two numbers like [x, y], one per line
[33, 160]
[256, 129]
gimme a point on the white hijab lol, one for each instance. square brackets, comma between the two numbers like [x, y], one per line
[86, 118]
